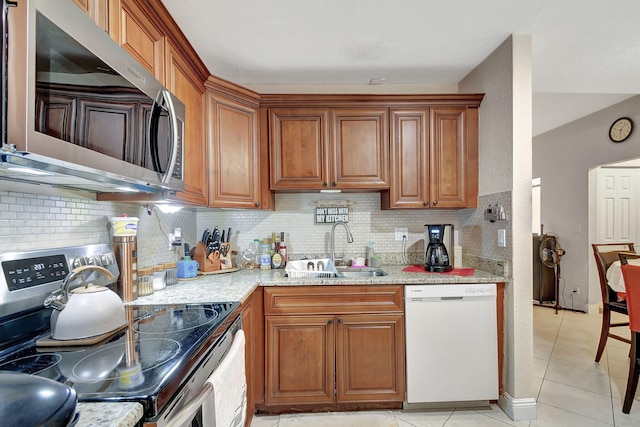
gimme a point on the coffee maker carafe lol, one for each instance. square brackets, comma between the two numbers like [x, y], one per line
[437, 258]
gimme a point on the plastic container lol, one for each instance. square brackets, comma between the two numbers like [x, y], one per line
[171, 271]
[125, 225]
[159, 278]
[145, 281]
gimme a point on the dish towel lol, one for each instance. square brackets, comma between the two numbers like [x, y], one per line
[230, 386]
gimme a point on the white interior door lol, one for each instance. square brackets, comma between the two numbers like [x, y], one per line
[617, 205]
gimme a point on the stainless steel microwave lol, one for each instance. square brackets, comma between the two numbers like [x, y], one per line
[81, 112]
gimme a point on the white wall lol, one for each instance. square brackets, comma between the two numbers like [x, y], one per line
[562, 158]
[505, 165]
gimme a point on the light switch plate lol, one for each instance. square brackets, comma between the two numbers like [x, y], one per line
[502, 238]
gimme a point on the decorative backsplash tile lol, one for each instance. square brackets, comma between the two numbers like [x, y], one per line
[29, 221]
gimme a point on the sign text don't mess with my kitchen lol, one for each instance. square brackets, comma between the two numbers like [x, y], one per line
[329, 215]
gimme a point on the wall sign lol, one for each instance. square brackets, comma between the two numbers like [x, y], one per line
[329, 215]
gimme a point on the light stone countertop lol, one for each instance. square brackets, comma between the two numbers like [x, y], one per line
[238, 286]
[109, 414]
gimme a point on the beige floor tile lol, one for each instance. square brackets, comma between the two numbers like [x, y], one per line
[472, 418]
[627, 420]
[619, 369]
[265, 421]
[621, 354]
[340, 419]
[580, 378]
[543, 345]
[572, 399]
[549, 416]
[435, 418]
[540, 367]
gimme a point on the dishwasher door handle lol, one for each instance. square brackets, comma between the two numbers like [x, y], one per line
[451, 298]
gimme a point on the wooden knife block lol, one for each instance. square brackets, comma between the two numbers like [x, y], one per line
[217, 260]
[205, 263]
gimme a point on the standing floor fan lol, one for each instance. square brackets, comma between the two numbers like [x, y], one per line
[550, 253]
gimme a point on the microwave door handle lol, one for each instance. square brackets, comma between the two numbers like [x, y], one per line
[173, 129]
[163, 100]
[156, 110]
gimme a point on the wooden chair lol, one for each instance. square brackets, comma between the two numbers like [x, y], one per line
[631, 275]
[606, 254]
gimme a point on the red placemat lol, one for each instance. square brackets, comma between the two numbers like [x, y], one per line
[455, 271]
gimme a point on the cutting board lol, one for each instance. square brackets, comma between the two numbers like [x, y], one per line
[82, 342]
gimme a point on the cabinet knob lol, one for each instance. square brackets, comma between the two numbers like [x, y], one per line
[258, 204]
[334, 183]
[330, 322]
[325, 184]
[340, 321]
[425, 203]
[435, 202]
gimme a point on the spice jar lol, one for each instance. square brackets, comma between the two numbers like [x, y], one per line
[171, 273]
[145, 281]
[159, 277]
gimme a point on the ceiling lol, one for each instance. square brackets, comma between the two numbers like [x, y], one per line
[586, 53]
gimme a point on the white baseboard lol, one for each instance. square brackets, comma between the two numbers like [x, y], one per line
[518, 409]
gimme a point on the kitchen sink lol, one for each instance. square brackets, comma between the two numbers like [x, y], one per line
[360, 273]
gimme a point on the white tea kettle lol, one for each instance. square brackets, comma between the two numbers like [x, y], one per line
[87, 311]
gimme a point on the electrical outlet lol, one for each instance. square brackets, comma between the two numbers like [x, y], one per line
[400, 232]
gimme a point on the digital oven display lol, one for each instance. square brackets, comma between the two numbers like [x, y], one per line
[25, 273]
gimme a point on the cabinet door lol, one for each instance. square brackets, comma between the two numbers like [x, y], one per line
[98, 10]
[298, 142]
[359, 149]
[299, 359]
[409, 160]
[235, 153]
[448, 180]
[182, 82]
[139, 36]
[370, 358]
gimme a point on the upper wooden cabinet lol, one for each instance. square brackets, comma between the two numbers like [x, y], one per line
[434, 158]
[359, 148]
[320, 148]
[182, 82]
[233, 146]
[299, 148]
[140, 35]
[98, 10]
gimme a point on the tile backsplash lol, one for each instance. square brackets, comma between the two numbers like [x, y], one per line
[29, 221]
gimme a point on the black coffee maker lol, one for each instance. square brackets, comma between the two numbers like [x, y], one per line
[437, 258]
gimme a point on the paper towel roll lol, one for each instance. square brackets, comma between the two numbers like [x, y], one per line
[457, 256]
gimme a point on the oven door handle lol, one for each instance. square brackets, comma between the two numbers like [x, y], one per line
[186, 414]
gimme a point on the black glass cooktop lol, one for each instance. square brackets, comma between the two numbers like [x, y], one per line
[159, 348]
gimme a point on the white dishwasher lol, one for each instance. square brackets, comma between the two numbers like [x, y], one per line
[452, 343]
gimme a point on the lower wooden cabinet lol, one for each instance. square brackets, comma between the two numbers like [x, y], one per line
[334, 345]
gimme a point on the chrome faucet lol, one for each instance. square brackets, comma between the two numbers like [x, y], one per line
[333, 233]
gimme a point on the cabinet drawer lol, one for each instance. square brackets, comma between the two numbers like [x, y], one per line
[333, 299]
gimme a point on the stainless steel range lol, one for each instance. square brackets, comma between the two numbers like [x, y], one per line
[160, 358]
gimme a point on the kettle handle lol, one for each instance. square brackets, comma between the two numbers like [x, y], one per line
[59, 298]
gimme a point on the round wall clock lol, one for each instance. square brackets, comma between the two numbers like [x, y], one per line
[620, 129]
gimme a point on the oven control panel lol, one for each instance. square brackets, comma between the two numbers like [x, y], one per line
[24, 273]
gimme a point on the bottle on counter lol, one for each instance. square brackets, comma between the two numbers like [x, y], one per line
[283, 250]
[265, 255]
